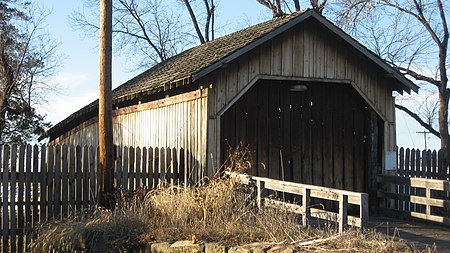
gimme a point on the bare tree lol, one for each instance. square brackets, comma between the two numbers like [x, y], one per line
[281, 7]
[150, 31]
[411, 35]
[209, 20]
[27, 59]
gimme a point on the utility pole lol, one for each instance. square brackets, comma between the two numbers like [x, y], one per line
[424, 137]
[106, 193]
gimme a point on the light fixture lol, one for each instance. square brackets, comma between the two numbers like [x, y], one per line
[298, 87]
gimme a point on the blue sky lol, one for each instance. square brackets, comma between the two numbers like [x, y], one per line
[78, 76]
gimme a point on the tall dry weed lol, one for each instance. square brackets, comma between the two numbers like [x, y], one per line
[221, 210]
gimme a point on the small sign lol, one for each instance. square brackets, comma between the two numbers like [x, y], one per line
[391, 161]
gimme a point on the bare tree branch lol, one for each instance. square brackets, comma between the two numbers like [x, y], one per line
[419, 120]
[418, 76]
[194, 21]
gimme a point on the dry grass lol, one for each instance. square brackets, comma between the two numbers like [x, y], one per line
[212, 213]
[219, 211]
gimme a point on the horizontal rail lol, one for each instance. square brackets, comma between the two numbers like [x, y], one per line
[390, 183]
[344, 198]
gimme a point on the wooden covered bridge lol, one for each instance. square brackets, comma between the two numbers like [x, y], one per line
[313, 105]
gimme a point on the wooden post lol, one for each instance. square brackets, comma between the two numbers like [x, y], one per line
[364, 210]
[306, 197]
[260, 188]
[342, 219]
[105, 107]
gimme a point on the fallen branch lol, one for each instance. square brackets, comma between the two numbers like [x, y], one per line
[311, 242]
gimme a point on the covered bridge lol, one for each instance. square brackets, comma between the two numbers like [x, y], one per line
[313, 104]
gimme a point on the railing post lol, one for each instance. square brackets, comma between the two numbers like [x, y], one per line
[364, 210]
[428, 196]
[306, 196]
[259, 189]
[342, 219]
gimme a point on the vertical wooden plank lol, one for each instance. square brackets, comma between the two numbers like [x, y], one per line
[151, 169]
[364, 210]
[429, 168]
[275, 132]
[71, 180]
[288, 54]
[418, 163]
[359, 147]
[162, 167]
[296, 133]
[343, 202]
[6, 196]
[254, 64]
[169, 168]
[265, 60]
[407, 174]
[57, 204]
[12, 201]
[118, 167]
[298, 54]
[285, 135]
[232, 86]
[43, 186]
[85, 170]
[79, 178]
[330, 60]
[308, 52]
[50, 180]
[64, 181]
[306, 206]
[276, 57]
[131, 168]
[221, 88]
[138, 168]
[348, 144]
[20, 199]
[423, 165]
[156, 167]
[125, 168]
[28, 192]
[434, 167]
[338, 144]
[259, 197]
[317, 135]
[175, 168]
[144, 169]
[35, 185]
[243, 72]
[252, 126]
[402, 173]
[307, 136]
[92, 176]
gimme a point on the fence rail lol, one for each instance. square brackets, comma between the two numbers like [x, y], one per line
[343, 198]
[416, 197]
[41, 183]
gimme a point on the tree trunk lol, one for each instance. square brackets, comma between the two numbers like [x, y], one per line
[106, 194]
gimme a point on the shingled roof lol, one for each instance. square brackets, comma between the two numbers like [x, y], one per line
[201, 60]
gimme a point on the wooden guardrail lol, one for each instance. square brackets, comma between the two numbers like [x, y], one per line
[407, 191]
[344, 198]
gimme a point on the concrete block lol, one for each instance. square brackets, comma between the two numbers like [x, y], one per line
[215, 248]
[161, 247]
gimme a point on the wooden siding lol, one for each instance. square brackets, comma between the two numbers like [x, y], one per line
[175, 123]
[318, 136]
[304, 53]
